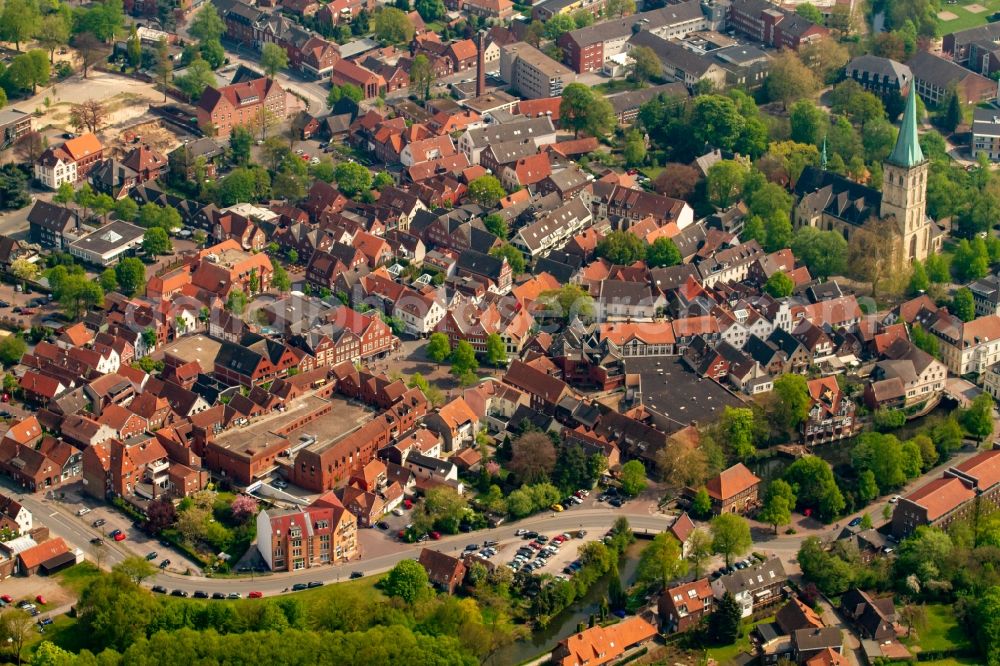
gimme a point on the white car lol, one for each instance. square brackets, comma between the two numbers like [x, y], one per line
[314, 161]
[279, 484]
[895, 499]
[83, 512]
[397, 511]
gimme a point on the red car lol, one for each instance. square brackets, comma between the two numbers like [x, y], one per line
[436, 536]
[40, 599]
[255, 595]
[7, 599]
[120, 536]
[408, 504]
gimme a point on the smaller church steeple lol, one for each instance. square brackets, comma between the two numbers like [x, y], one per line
[907, 153]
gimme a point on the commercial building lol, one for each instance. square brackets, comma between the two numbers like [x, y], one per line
[108, 244]
[245, 104]
[532, 73]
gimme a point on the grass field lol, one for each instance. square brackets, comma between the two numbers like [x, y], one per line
[728, 653]
[966, 19]
[943, 631]
[952, 661]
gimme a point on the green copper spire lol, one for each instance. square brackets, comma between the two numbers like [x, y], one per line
[907, 152]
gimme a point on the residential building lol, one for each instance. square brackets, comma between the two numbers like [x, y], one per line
[51, 225]
[756, 587]
[532, 73]
[733, 490]
[70, 162]
[109, 244]
[603, 645]
[772, 25]
[444, 571]
[13, 125]
[244, 104]
[986, 133]
[683, 606]
[875, 619]
[295, 539]
[831, 414]
[883, 76]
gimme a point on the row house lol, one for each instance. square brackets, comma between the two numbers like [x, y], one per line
[245, 104]
[907, 376]
[255, 360]
[774, 26]
[754, 588]
[554, 229]
[966, 347]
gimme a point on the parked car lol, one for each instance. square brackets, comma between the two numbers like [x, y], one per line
[436, 536]
[99, 522]
[314, 583]
[279, 484]
[151, 555]
[159, 589]
[356, 574]
[233, 595]
[557, 508]
[471, 547]
[382, 525]
[218, 595]
[40, 599]
[255, 595]
[201, 595]
[164, 564]
[81, 512]
[299, 587]
[397, 511]
[97, 541]
[179, 593]
[120, 536]
[520, 532]
[855, 522]
[490, 543]
[6, 598]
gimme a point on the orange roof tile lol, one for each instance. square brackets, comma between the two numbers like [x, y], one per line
[731, 482]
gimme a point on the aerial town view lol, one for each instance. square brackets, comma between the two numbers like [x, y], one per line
[458, 332]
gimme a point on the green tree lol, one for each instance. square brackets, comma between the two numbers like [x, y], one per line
[240, 142]
[646, 65]
[486, 191]
[634, 151]
[808, 122]
[114, 612]
[12, 348]
[699, 546]
[280, 279]
[823, 252]
[496, 225]
[157, 242]
[345, 91]
[496, 351]
[633, 477]
[15, 630]
[779, 285]
[353, 178]
[919, 281]
[661, 561]
[567, 302]
[430, 10]
[621, 247]
[583, 110]
[77, 294]
[953, 112]
[53, 32]
[134, 49]
[832, 575]
[135, 568]
[924, 340]
[196, 78]
[126, 209]
[978, 418]
[273, 59]
[789, 80]
[790, 404]
[809, 12]
[393, 26]
[730, 536]
[725, 182]
[716, 120]
[421, 75]
[513, 256]
[867, 487]
[408, 581]
[130, 275]
[778, 502]
[663, 252]
[438, 347]
[19, 21]
[557, 25]
[207, 25]
[701, 506]
[725, 623]
[236, 302]
[463, 359]
[815, 487]
[962, 305]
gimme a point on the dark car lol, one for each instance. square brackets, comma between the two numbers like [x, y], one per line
[159, 589]
[4, 304]
[164, 564]
[98, 522]
[97, 541]
[530, 535]
[382, 525]
[472, 546]
[615, 502]
[218, 595]
[115, 533]
[179, 593]
[151, 555]
[298, 587]
[201, 595]
[855, 522]
[356, 574]
[314, 583]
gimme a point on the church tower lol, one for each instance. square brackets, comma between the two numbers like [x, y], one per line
[904, 188]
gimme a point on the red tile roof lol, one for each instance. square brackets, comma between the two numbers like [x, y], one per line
[731, 482]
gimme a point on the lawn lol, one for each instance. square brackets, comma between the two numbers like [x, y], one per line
[728, 653]
[78, 576]
[619, 85]
[966, 19]
[952, 661]
[943, 631]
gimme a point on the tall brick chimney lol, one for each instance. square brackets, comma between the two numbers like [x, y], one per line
[481, 64]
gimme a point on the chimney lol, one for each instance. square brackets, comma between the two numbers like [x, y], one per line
[481, 63]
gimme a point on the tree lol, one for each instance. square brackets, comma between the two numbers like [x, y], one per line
[919, 282]
[160, 514]
[91, 49]
[870, 251]
[486, 191]
[533, 457]
[791, 404]
[12, 348]
[237, 302]
[496, 225]
[566, 303]
[157, 242]
[15, 628]
[421, 75]
[407, 580]
[240, 142]
[788, 79]
[661, 561]
[135, 568]
[393, 26]
[809, 12]
[633, 477]
[130, 275]
[273, 59]
[730, 536]
[831, 574]
[663, 252]
[89, 115]
[808, 122]
[699, 546]
[677, 180]
[345, 91]
[53, 32]
[19, 21]
[779, 285]
[24, 270]
[634, 151]
[724, 624]
[353, 178]
[824, 252]
[557, 25]
[164, 66]
[701, 506]
[778, 502]
[953, 113]
[133, 48]
[512, 255]
[815, 488]
[198, 76]
[207, 25]
[438, 347]
[621, 247]
[978, 418]
[645, 66]
[430, 10]
[583, 110]
[463, 359]
[962, 305]
[725, 182]
[496, 350]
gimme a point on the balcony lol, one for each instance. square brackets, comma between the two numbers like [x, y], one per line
[158, 467]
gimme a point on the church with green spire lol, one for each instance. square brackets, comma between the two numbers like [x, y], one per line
[832, 202]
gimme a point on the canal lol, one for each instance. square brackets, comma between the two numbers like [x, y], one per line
[543, 640]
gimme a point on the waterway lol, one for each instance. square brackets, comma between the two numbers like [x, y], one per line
[543, 640]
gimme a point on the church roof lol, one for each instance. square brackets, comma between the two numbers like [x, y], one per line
[907, 152]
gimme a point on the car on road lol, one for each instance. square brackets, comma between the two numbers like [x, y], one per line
[97, 541]
[98, 522]
[201, 595]
[218, 595]
[314, 583]
[520, 532]
[83, 512]
[120, 536]
[298, 587]
[557, 508]
[530, 535]
[179, 593]
[151, 555]
[255, 595]
[472, 546]
[40, 599]
[855, 522]
[616, 502]
[356, 574]
[159, 589]
[233, 595]
[4, 304]
[489, 543]
[6, 598]
[164, 564]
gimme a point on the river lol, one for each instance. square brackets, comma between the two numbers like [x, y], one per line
[562, 625]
